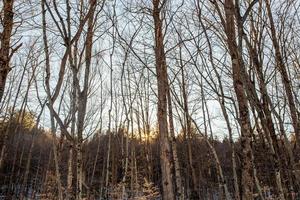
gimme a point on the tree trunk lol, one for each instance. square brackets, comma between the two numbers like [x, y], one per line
[70, 174]
[188, 131]
[7, 22]
[29, 157]
[265, 116]
[179, 188]
[284, 76]
[244, 119]
[162, 86]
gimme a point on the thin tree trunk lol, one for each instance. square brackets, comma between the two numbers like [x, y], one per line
[179, 188]
[50, 103]
[29, 157]
[265, 114]
[284, 75]
[70, 174]
[233, 159]
[188, 130]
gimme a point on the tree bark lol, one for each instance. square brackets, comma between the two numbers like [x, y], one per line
[244, 119]
[179, 188]
[5, 36]
[162, 87]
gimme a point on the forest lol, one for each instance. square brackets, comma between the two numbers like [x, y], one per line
[149, 99]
